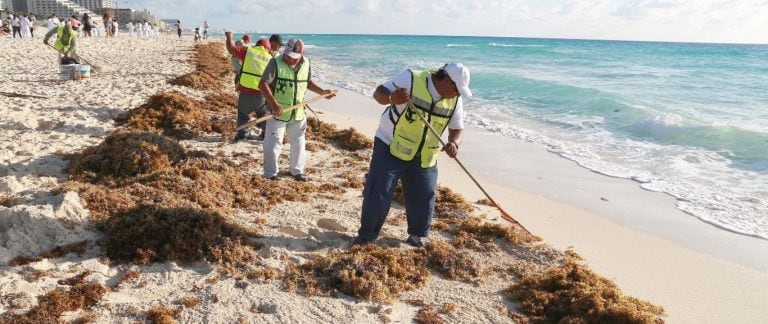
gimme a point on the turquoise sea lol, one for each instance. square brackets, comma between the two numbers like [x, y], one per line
[689, 120]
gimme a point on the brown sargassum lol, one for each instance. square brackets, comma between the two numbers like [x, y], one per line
[139, 183]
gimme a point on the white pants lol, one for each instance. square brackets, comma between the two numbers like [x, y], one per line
[273, 145]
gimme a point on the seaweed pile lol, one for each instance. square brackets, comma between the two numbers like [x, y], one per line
[188, 235]
[346, 139]
[129, 169]
[365, 272]
[220, 102]
[452, 263]
[571, 293]
[430, 313]
[54, 304]
[124, 155]
[171, 114]
[474, 231]
[211, 67]
[448, 203]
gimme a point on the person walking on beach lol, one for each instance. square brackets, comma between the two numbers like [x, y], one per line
[52, 22]
[147, 29]
[284, 83]
[107, 20]
[115, 27]
[205, 29]
[178, 28]
[65, 40]
[254, 59]
[197, 38]
[16, 25]
[87, 25]
[32, 23]
[275, 42]
[25, 26]
[405, 149]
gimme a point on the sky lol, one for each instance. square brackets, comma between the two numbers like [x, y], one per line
[710, 21]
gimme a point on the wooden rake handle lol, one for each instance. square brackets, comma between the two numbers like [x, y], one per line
[287, 109]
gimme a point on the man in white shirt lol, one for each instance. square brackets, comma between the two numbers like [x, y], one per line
[16, 25]
[25, 25]
[405, 148]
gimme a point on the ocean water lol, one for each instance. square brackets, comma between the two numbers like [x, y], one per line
[689, 120]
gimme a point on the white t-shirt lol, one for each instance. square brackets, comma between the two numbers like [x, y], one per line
[403, 80]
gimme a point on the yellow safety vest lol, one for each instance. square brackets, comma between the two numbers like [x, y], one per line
[411, 135]
[252, 68]
[58, 44]
[290, 87]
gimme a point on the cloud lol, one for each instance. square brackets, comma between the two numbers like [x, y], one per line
[677, 20]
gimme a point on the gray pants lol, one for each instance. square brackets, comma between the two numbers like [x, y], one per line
[246, 104]
[273, 145]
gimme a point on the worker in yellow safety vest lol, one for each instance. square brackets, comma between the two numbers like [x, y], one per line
[406, 149]
[284, 83]
[65, 41]
[254, 59]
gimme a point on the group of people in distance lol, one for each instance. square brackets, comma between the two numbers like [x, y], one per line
[21, 25]
[405, 148]
[197, 37]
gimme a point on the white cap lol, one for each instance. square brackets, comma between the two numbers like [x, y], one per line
[294, 48]
[459, 74]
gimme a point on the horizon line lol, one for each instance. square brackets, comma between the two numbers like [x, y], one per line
[517, 37]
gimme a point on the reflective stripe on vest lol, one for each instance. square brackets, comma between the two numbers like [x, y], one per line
[290, 87]
[252, 68]
[411, 136]
[58, 44]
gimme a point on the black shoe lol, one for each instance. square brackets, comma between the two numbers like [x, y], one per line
[300, 178]
[359, 242]
[273, 178]
[239, 136]
[416, 241]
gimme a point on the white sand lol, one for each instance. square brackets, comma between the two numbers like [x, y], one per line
[694, 287]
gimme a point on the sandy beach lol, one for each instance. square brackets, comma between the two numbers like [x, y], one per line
[654, 252]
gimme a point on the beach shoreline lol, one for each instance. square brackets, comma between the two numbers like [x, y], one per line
[553, 197]
[682, 268]
[511, 162]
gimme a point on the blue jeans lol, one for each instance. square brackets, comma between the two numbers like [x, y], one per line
[419, 186]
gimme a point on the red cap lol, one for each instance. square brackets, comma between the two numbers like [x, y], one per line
[246, 38]
[264, 42]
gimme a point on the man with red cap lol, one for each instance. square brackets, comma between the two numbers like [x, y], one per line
[286, 79]
[237, 63]
[254, 59]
